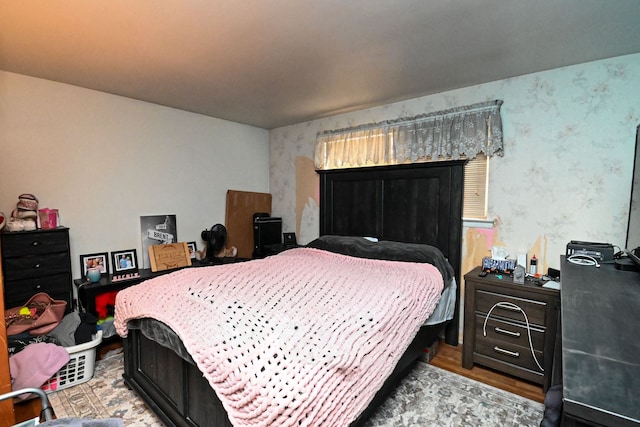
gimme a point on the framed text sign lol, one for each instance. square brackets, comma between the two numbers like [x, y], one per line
[169, 256]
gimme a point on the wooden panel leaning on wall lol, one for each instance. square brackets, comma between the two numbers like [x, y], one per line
[241, 205]
[7, 415]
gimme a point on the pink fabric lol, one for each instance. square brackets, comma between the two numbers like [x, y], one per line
[306, 335]
[35, 364]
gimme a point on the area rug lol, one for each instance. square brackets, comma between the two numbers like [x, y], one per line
[428, 396]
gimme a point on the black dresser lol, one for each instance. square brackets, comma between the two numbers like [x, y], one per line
[36, 261]
[600, 345]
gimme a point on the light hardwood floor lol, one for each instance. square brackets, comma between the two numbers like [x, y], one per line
[449, 357]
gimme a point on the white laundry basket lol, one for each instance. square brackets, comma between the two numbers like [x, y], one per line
[79, 369]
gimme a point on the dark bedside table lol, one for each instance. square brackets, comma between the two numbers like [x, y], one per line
[510, 327]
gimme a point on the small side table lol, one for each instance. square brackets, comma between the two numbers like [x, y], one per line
[510, 327]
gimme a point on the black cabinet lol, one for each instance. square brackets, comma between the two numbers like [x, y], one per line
[510, 327]
[87, 291]
[36, 261]
[600, 345]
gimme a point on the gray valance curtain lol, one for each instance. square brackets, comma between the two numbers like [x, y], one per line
[449, 134]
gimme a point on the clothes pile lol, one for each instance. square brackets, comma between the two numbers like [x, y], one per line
[34, 359]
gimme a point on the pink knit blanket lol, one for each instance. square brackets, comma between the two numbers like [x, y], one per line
[305, 337]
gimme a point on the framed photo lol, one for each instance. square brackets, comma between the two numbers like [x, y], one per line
[289, 239]
[99, 260]
[124, 262]
[192, 249]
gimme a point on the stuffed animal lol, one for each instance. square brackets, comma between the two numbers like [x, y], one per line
[227, 252]
[222, 253]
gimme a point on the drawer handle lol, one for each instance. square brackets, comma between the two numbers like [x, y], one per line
[36, 266]
[35, 243]
[507, 352]
[513, 307]
[507, 332]
[508, 306]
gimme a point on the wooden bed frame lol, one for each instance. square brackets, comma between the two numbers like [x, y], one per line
[413, 204]
[176, 391]
[416, 203]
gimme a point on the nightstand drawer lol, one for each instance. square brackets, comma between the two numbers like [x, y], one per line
[535, 310]
[509, 353]
[33, 243]
[35, 266]
[509, 333]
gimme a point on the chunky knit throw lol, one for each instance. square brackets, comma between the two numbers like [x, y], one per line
[306, 337]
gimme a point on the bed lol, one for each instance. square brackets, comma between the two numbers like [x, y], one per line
[299, 292]
[187, 390]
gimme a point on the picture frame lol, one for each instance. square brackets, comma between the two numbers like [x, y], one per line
[289, 240]
[124, 262]
[156, 230]
[193, 249]
[99, 259]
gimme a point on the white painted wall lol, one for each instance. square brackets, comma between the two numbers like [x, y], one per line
[105, 160]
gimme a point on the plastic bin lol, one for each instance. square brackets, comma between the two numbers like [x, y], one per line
[79, 369]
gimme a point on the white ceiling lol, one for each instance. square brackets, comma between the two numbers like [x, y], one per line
[271, 63]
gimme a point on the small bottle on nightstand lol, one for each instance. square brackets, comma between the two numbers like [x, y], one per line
[533, 266]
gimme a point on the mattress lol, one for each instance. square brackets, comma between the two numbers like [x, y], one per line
[347, 245]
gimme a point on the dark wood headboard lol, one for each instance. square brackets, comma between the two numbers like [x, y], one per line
[417, 203]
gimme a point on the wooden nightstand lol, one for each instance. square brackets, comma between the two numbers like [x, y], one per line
[510, 327]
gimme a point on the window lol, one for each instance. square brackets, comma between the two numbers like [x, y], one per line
[476, 183]
[473, 131]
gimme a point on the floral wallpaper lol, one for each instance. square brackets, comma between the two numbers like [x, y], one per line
[569, 138]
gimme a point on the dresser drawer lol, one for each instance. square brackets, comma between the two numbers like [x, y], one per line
[35, 266]
[511, 354]
[508, 333]
[33, 243]
[534, 309]
[17, 292]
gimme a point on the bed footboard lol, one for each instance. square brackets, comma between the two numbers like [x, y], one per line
[178, 393]
[172, 387]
